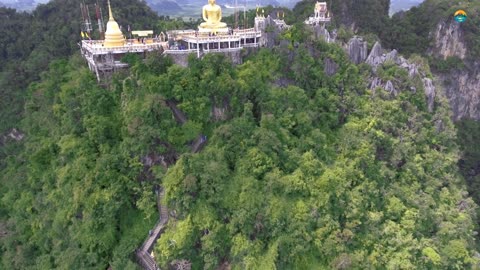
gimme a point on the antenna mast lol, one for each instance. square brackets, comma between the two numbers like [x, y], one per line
[87, 25]
[236, 14]
[98, 11]
[245, 15]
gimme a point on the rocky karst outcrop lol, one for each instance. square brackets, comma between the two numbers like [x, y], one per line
[321, 33]
[378, 57]
[330, 67]
[270, 32]
[357, 50]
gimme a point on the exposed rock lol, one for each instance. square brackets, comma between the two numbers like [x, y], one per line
[377, 58]
[181, 265]
[333, 35]
[439, 126]
[321, 32]
[219, 113]
[391, 56]
[412, 70]
[374, 58]
[270, 32]
[462, 88]
[13, 134]
[429, 93]
[154, 159]
[390, 88]
[330, 67]
[449, 40]
[357, 50]
[376, 82]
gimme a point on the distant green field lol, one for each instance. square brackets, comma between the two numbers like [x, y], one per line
[192, 11]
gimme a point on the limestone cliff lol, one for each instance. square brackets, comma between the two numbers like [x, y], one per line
[449, 40]
[462, 86]
[357, 50]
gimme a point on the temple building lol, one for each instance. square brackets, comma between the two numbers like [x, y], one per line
[211, 36]
[103, 56]
[321, 14]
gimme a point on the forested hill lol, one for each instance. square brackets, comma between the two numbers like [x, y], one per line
[305, 166]
[453, 51]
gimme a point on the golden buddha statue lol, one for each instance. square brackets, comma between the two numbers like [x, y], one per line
[212, 15]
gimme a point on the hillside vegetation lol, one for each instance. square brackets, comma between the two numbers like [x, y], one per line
[301, 170]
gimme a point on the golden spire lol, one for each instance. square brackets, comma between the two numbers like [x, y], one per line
[113, 35]
[110, 15]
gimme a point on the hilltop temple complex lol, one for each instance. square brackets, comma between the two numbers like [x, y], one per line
[212, 36]
[321, 14]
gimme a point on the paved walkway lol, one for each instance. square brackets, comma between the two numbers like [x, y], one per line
[143, 253]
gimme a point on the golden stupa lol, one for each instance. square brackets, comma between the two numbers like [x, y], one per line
[113, 35]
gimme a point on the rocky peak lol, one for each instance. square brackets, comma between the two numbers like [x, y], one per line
[357, 50]
[374, 58]
[320, 32]
[378, 57]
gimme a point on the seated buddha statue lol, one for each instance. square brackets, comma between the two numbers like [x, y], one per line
[212, 15]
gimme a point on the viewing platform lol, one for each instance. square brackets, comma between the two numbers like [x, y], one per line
[105, 60]
[191, 41]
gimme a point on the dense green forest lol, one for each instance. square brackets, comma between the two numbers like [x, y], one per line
[302, 171]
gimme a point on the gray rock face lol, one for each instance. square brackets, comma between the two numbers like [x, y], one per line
[462, 87]
[429, 93]
[376, 82]
[14, 134]
[330, 67]
[390, 88]
[357, 50]
[374, 58]
[270, 32]
[449, 41]
[322, 33]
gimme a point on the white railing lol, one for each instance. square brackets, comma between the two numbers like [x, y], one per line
[211, 39]
[93, 46]
[250, 45]
[180, 51]
[312, 20]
